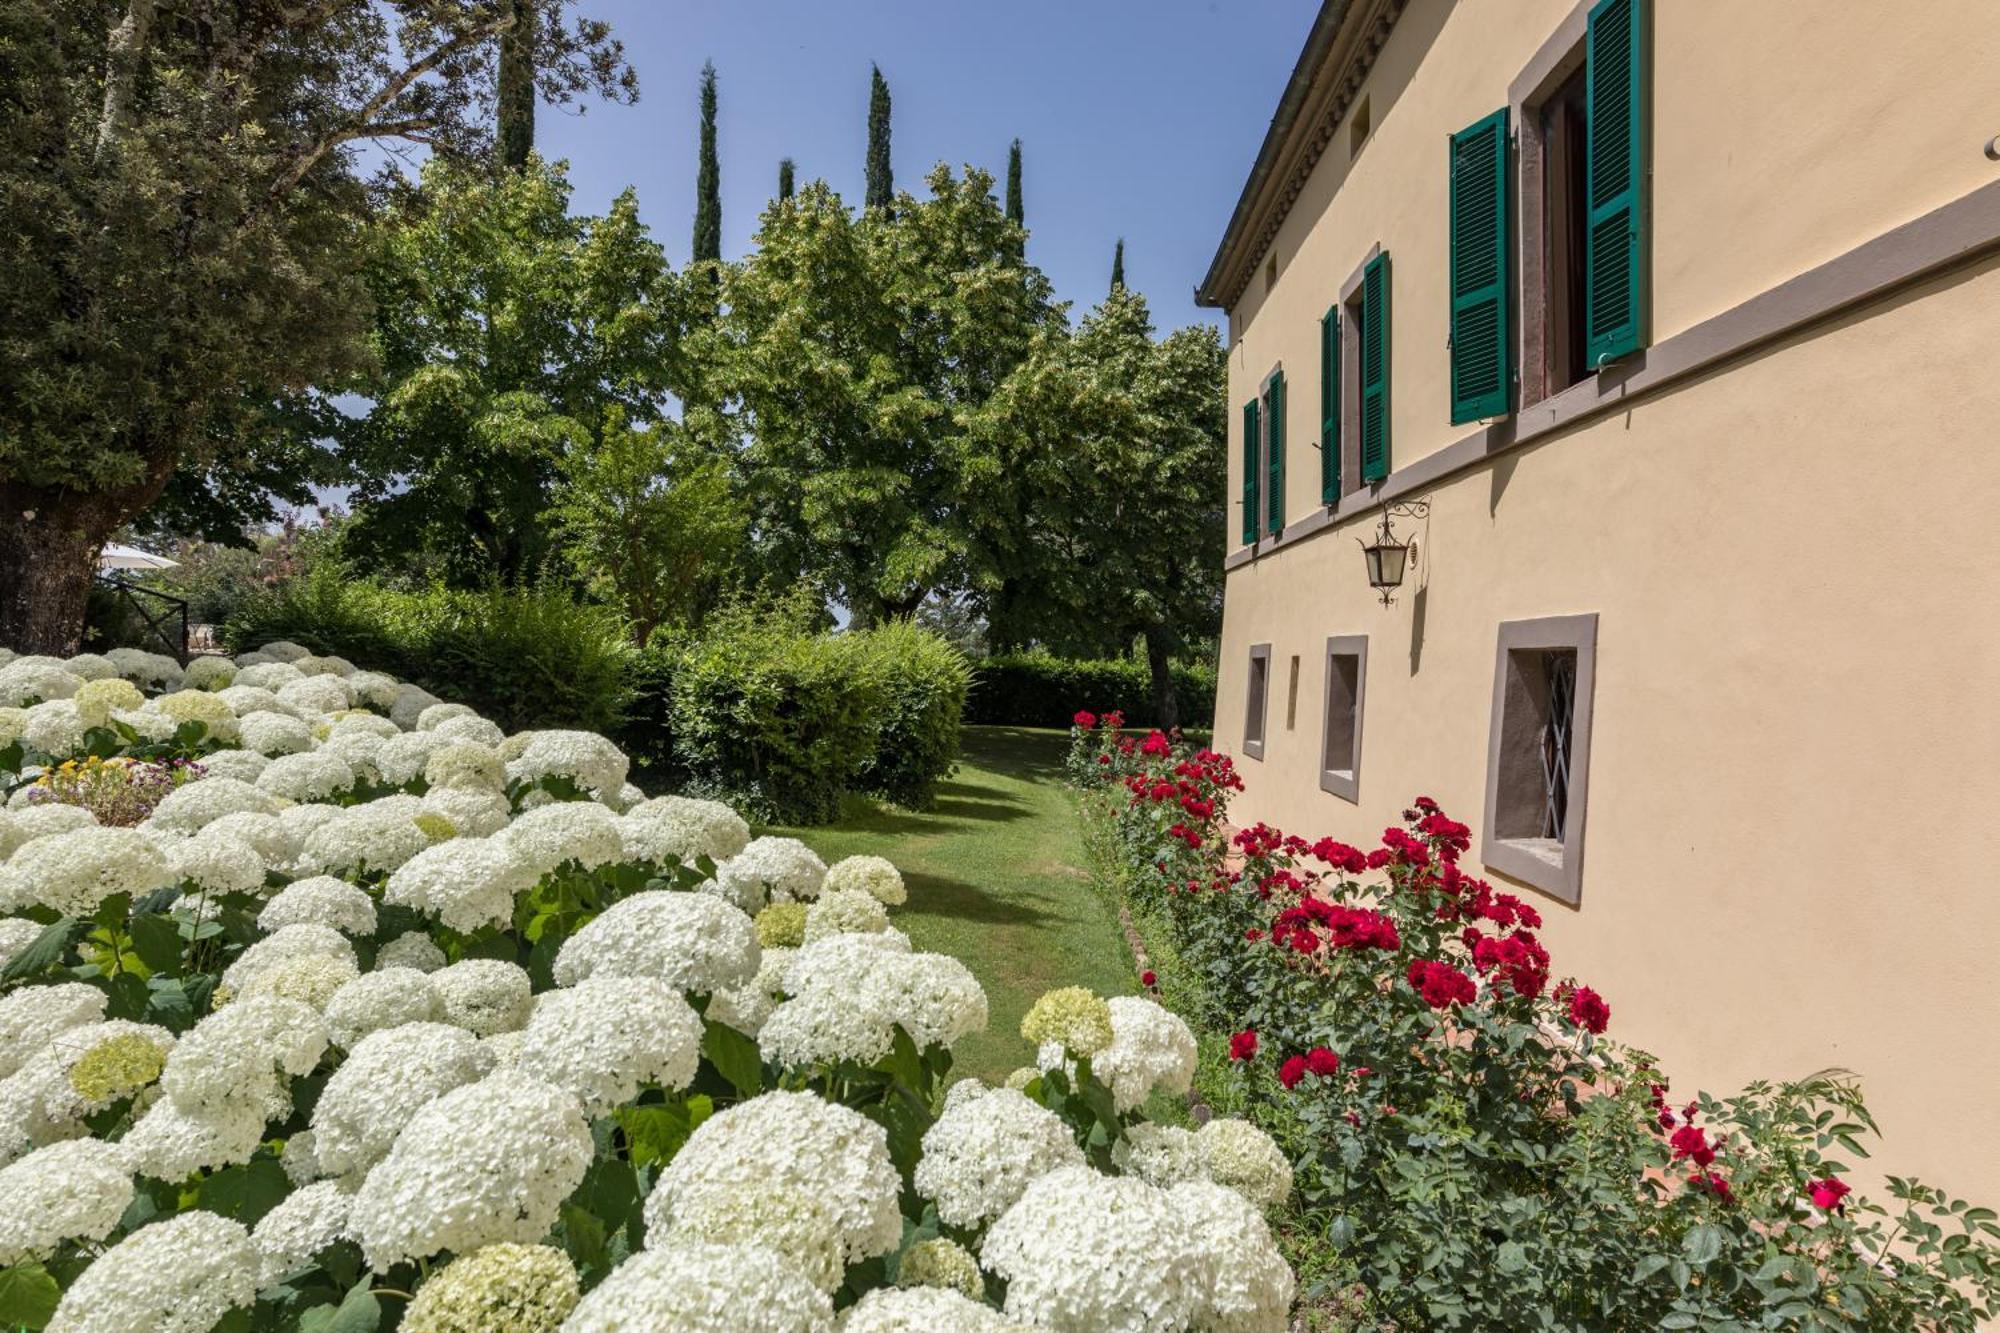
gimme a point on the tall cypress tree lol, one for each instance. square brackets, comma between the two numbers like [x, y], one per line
[1015, 214]
[516, 136]
[708, 178]
[785, 178]
[881, 181]
[1118, 267]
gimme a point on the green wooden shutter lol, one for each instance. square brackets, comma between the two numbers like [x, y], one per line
[1615, 250]
[1482, 353]
[1375, 369]
[1274, 434]
[1329, 406]
[1250, 472]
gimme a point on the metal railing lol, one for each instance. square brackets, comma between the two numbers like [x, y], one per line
[162, 625]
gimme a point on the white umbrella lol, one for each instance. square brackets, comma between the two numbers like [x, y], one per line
[131, 557]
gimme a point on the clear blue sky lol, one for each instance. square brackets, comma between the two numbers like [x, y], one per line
[1137, 119]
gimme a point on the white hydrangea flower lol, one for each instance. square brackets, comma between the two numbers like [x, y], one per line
[300, 940]
[1083, 1251]
[193, 806]
[693, 1287]
[685, 828]
[315, 695]
[38, 1107]
[1163, 1155]
[181, 1274]
[73, 873]
[386, 1079]
[924, 1310]
[300, 822]
[13, 722]
[845, 912]
[171, 1144]
[149, 724]
[328, 665]
[831, 1154]
[273, 838]
[696, 942]
[876, 875]
[317, 775]
[377, 837]
[580, 831]
[409, 705]
[746, 1007]
[33, 1015]
[376, 690]
[1252, 1286]
[505, 1288]
[624, 798]
[16, 934]
[102, 1063]
[849, 992]
[24, 683]
[771, 870]
[242, 699]
[475, 730]
[212, 862]
[90, 667]
[939, 1262]
[466, 764]
[605, 1037]
[313, 979]
[284, 650]
[1151, 1049]
[235, 766]
[465, 883]
[155, 671]
[1238, 1154]
[211, 710]
[785, 1221]
[209, 673]
[300, 1158]
[242, 1053]
[584, 757]
[488, 1162]
[474, 813]
[358, 750]
[267, 676]
[274, 734]
[64, 1192]
[322, 900]
[55, 728]
[484, 995]
[984, 1152]
[436, 714]
[412, 949]
[19, 827]
[402, 758]
[388, 997]
[97, 700]
[304, 1222]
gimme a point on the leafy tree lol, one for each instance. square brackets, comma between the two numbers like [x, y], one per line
[649, 520]
[858, 346]
[785, 184]
[516, 90]
[505, 328]
[881, 179]
[1118, 266]
[708, 178]
[184, 214]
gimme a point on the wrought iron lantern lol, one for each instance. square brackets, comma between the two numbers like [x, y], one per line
[1387, 558]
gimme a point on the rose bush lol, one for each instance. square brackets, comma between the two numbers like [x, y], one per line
[377, 1017]
[1471, 1149]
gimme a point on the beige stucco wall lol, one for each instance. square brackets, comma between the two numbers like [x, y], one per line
[1791, 848]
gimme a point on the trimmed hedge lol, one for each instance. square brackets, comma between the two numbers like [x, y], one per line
[925, 681]
[1035, 690]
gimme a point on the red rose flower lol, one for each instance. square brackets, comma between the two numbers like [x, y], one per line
[1147, 979]
[1085, 720]
[1243, 1045]
[1322, 1062]
[1441, 984]
[1588, 1010]
[1714, 1184]
[1828, 1193]
[1290, 1072]
[1692, 1143]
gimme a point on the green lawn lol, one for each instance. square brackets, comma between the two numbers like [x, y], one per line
[997, 878]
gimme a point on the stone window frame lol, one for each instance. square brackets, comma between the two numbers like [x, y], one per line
[1257, 703]
[1344, 782]
[1555, 869]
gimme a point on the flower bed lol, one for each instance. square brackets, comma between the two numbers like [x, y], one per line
[368, 1015]
[1471, 1149]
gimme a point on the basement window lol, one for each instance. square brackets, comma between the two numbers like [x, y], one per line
[1340, 747]
[1538, 756]
[1258, 697]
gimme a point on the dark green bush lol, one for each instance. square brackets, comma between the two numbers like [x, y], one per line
[926, 680]
[1035, 690]
[528, 657]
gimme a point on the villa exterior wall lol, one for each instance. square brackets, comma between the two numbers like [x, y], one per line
[1789, 859]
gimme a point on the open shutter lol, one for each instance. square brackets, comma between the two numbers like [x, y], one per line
[1615, 251]
[1482, 360]
[1329, 406]
[1274, 444]
[1250, 472]
[1375, 369]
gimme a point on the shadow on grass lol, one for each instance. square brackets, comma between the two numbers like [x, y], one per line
[1027, 752]
[935, 895]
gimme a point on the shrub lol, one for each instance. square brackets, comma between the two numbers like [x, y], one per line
[926, 680]
[1476, 1153]
[1036, 690]
[776, 718]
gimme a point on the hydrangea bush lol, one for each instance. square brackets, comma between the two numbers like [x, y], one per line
[1471, 1149]
[377, 1017]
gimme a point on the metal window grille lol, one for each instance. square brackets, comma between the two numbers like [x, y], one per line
[1560, 672]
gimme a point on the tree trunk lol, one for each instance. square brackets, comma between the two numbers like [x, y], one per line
[1159, 657]
[49, 543]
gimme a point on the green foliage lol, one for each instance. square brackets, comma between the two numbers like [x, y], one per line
[522, 656]
[708, 178]
[926, 680]
[787, 185]
[1038, 690]
[881, 178]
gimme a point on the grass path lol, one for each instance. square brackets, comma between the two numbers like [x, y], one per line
[997, 878]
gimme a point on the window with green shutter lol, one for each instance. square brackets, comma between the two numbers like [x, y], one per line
[1274, 450]
[1375, 369]
[1250, 472]
[1615, 244]
[1482, 352]
[1329, 406]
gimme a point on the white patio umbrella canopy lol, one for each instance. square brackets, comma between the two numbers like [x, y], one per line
[131, 557]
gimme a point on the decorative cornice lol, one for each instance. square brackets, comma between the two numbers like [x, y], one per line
[1338, 55]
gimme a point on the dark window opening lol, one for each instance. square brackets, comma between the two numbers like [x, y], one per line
[1537, 731]
[1567, 206]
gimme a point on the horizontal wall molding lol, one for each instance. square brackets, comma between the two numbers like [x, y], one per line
[1964, 230]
